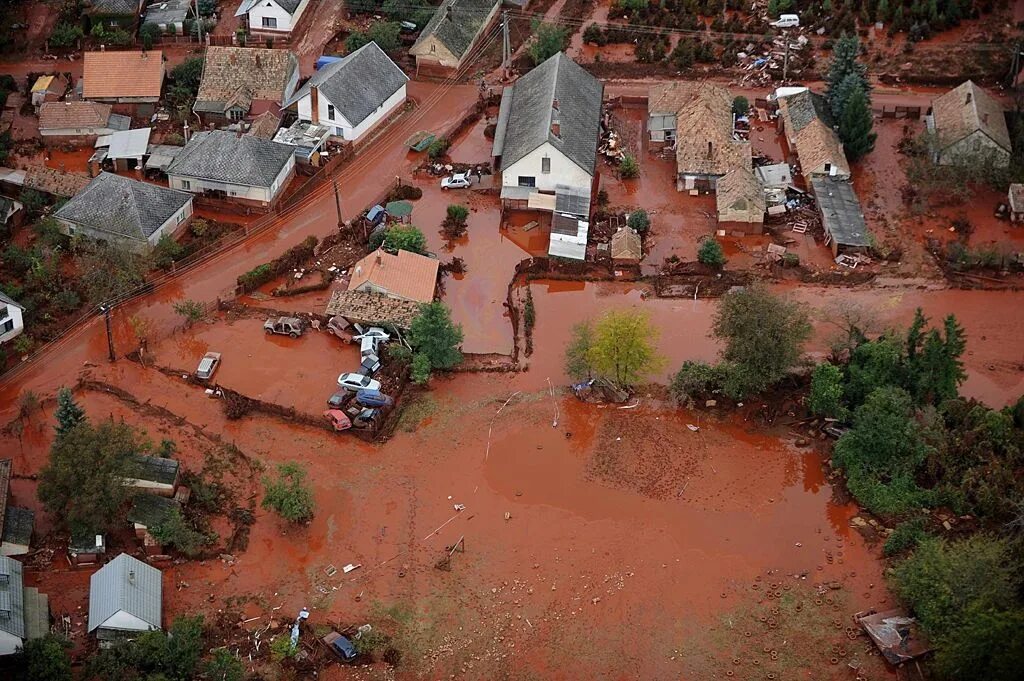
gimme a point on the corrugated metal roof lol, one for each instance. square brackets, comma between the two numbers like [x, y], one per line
[127, 584]
[12, 597]
[127, 143]
[18, 524]
[840, 210]
[37, 613]
[155, 469]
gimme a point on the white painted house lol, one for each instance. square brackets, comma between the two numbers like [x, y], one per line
[125, 597]
[271, 16]
[24, 612]
[354, 95]
[545, 146]
[11, 322]
[240, 168]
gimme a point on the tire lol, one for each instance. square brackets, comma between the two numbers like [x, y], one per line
[270, 332]
[293, 334]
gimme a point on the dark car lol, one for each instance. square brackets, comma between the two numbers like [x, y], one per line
[373, 398]
[339, 399]
[341, 646]
[370, 365]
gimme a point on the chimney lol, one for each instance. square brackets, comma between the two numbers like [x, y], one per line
[710, 148]
[556, 128]
[380, 259]
[554, 104]
[131, 576]
[314, 103]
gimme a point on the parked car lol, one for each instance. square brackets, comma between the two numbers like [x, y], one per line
[373, 398]
[787, 21]
[340, 646]
[369, 366]
[457, 181]
[340, 327]
[338, 419]
[338, 399]
[374, 332]
[356, 382]
[208, 365]
[408, 27]
[361, 417]
[285, 326]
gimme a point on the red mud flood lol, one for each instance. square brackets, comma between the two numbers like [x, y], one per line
[74, 161]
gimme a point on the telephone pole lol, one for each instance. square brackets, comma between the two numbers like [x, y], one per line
[506, 44]
[785, 60]
[337, 205]
[105, 309]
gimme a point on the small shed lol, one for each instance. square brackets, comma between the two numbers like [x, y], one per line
[154, 475]
[125, 597]
[400, 211]
[148, 511]
[86, 548]
[17, 536]
[841, 215]
[626, 245]
[568, 237]
[1016, 200]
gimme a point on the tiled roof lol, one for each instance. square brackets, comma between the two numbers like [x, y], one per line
[82, 114]
[626, 244]
[243, 75]
[265, 125]
[127, 584]
[405, 275]
[112, 6]
[363, 307]
[704, 139]
[123, 207]
[798, 110]
[966, 109]
[226, 157]
[53, 181]
[739, 196]
[558, 91]
[107, 75]
[668, 98]
[816, 145]
[358, 84]
[456, 24]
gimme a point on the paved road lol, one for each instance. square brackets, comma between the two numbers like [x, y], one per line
[360, 182]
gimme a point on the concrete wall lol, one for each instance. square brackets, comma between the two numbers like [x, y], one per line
[268, 8]
[14, 316]
[563, 170]
[341, 127]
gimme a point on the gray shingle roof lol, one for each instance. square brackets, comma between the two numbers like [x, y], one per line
[358, 84]
[155, 469]
[112, 6]
[225, 157]
[458, 31]
[841, 214]
[128, 584]
[12, 597]
[804, 107]
[122, 206]
[167, 11]
[532, 110]
[18, 524]
[149, 510]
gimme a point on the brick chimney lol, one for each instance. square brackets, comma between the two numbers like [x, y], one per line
[314, 103]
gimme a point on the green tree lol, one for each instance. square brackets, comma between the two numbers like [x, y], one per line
[405, 238]
[175, 531]
[548, 40]
[83, 483]
[188, 74]
[711, 254]
[65, 35]
[190, 310]
[874, 364]
[638, 221]
[935, 370]
[154, 655]
[577, 353]
[386, 35]
[629, 169]
[167, 251]
[457, 213]
[223, 666]
[826, 398]
[434, 337]
[740, 105]
[764, 335]
[856, 124]
[624, 347]
[844, 63]
[45, 659]
[69, 414]
[355, 40]
[289, 495]
[107, 270]
[148, 33]
[282, 648]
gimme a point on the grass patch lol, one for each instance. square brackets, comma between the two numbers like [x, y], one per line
[421, 408]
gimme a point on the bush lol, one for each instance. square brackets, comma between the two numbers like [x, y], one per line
[438, 148]
[695, 379]
[167, 251]
[404, 238]
[149, 34]
[906, 536]
[711, 254]
[638, 221]
[826, 398]
[256, 277]
[593, 35]
[548, 40]
[65, 35]
[288, 494]
[740, 106]
[629, 169]
[458, 213]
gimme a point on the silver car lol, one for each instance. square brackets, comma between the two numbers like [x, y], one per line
[208, 365]
[356, 382]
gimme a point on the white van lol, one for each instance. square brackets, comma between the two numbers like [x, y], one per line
[787, 21]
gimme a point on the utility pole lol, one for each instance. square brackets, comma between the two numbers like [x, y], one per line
[337, 205]
[105, 309]
[785, 60]
[506, 44]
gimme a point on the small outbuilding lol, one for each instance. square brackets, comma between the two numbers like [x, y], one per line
[969, 126]
[740, 202]
[125, 598]
[626, 245]
[841, 215]
[86, 548]
[154, 475]
[1016, 200]
[24, 612]
[16, 524]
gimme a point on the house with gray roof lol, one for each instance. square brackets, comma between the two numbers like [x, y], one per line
[354, 95]
[240, 168]
[24, 612]
[16, 524]
[113, 13]
[169, 15]
[545, 142]
[125, 597]
[271, 17]
[450, 35]
[135, 214]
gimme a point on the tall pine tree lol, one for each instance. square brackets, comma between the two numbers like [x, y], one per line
[69, 414]
[844, 64]
[855, 125]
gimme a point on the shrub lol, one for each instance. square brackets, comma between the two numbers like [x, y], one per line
[826, 398]
[190, 310]
[711, 254]
[629, 168]
[282, 648]
[288, 494]
[458, 213]
[167, 251]
[256, 277]
[740, 105]
[906, 536]
[638, 221]
[548, 40]
[148, 34]
[65, 35]
[405, 238]
[695, 379]
[438, 148]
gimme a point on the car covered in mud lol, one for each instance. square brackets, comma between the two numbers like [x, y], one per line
[208, 366]
[340, 327]
[356, 382]
[285, 326]
[457, 181]
[370, 365]
[373, 398]
[339, 398]
[341, 646]
[338, 419]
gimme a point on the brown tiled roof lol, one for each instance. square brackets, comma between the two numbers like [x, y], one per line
[739, 197]
[243, 74]
[818, 144]
[626, 244]
[405, 275]
[968, 108]
[704, 141]
[265, 126]
[53, 181]
[372, 308]
[122, 74]
[668, 98]
[81, 114]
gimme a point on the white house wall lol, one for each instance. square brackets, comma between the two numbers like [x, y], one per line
[563, 171]
[235, 191]
[172, 224]
[268, 8]
[124, 621]
[9, 643]
[340, 126]
[14, 314]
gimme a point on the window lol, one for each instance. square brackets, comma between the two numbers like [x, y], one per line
[235, 114]
[545, 164]
[269, 22]
[330, 112]
[6, 312]
[828, 168]
[7, 326]
[186, 185]
[525, 181]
